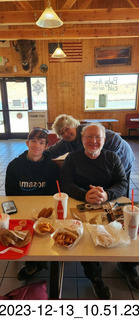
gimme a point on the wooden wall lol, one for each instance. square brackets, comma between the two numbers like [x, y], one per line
[65, 81]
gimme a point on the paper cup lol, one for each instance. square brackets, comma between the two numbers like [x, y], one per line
[4, 221]
[131, 221]
[61, 203]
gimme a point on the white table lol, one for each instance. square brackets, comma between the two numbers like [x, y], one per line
[108, 121]
[44, 249]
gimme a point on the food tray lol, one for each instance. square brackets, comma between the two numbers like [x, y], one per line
[11, 255]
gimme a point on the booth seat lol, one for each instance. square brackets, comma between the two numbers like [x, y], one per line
[52, 138]
[132, 121]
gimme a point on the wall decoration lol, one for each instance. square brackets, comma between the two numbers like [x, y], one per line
[38, 87]
[65, 84]
[3, 60]
[6, 69]
[43, 68]
[19, 115]
[4, 43]
[111, 56]
[28, 53]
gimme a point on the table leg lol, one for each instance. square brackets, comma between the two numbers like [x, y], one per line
[56, 279]
[61, 273]
[109, 126]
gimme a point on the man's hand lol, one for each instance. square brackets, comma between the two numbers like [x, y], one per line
[96, 195]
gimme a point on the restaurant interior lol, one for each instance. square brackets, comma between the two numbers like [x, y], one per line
[94, 78]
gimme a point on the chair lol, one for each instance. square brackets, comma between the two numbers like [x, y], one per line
[132, 124]
[52, 138]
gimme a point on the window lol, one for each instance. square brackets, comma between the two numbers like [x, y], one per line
[110, 92]
[39, 94]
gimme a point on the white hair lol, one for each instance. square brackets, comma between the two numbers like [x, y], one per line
[64, 120]
[97, 124]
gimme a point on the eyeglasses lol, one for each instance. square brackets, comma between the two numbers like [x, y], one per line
[97, 138]
[40, 129]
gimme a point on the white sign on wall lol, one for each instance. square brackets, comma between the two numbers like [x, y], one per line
[37, 119]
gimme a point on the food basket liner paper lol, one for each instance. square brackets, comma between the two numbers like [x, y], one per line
[11, 255]
[40, 220]
[108, 236]
[72, 226]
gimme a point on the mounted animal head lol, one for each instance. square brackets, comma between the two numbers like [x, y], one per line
[28, 53]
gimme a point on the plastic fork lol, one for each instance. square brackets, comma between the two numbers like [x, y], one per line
[12, 249]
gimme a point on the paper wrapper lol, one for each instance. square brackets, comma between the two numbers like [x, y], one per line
[44, 222]
[108, 236]
[91, 216]
[15, 238]
[73, 228]
[13, 255]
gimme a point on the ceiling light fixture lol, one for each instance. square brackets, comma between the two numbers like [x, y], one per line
[49, 19]
[58, 53]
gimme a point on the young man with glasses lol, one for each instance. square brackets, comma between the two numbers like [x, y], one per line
[33, 173]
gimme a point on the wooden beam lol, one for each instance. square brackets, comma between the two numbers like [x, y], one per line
[68, 4]
[67, 33]
[116, 15]
[88, 16]
[133, 3]
[18, 6]
[85, 4]
[18, 0]
[23, 5]
[26, 5]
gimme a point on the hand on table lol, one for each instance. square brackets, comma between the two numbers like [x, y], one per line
[96, 195]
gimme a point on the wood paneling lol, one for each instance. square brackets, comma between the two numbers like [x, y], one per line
[65, 81]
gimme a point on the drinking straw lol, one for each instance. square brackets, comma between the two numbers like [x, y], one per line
[58, 187]
[132, 199]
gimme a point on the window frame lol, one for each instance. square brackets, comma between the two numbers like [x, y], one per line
[110, 109]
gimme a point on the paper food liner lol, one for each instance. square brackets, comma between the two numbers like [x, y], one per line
[91, 216]
[15, 238]
[71, 227]
[38, 223]
[108, 236]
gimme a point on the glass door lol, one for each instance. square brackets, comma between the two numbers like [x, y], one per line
[15, 102]
[17, 97]
[2, 127]
[17, 106]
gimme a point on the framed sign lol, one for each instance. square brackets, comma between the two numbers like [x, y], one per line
[111, 56]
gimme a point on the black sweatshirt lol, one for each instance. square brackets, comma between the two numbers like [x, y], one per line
[25, 177]
[79, 171]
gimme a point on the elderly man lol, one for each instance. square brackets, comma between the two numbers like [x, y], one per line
[94, 175]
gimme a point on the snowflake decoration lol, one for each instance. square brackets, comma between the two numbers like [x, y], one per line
[38, 87]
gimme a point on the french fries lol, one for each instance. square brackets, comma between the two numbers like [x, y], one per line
[64, 238]
[45, 227]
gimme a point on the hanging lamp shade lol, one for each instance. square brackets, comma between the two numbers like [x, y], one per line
[49, 19]
[58, 53]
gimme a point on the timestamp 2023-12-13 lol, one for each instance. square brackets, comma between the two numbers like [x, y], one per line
[73, 309]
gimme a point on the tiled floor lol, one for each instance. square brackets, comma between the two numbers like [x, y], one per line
[75, 285]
